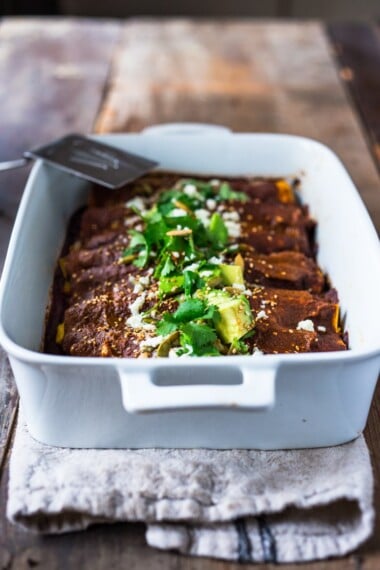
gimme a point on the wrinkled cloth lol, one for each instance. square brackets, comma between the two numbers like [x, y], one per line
[280, 506]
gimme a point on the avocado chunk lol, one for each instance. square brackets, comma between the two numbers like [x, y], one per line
[171, 285]
[231, 274]
[234, 318]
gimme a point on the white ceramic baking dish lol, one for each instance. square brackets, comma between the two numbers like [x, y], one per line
[265, 402]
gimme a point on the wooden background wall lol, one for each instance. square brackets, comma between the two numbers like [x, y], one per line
[325, 9]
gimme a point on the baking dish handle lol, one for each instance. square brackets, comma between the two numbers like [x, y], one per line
[186, 129]
[140, 393]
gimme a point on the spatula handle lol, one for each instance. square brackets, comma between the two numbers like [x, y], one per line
[10, 164]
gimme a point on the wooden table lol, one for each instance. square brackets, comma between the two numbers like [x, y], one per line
[58, 76]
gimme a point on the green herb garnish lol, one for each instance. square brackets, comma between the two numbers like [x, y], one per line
[226, 193]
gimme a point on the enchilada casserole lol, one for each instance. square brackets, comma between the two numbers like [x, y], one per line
[174, 266]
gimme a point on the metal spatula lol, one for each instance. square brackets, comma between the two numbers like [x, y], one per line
[89, 159]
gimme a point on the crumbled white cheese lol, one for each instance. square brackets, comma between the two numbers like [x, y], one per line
[214, 182]
[256, 351]
[141, 284]
[151, 342]
[137, 203]
[136, 322]
[261, 315]
[190, 190]
[176, 254]
[321, 328]
[173, 353]
[239, 286]
[190, 257]
[177, 213]
[137, 304]
[206, 273]
[131, 220]
[138, 288]
[144, 280]
[233, 216]
[192, 267]
[215, 260]
[211, 204]
[306, 325]
[233, 228]
[203, 216]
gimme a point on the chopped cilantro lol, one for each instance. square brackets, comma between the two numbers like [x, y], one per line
[166, 325]
[226, 193]
[171, 285]
[192, 282]
[217, 230]
[196, 320]
[189, 310]
[138, 246]
[168, 266]
[238, 346]
[200, 337]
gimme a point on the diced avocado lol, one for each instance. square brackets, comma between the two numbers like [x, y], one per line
[234, 318]
[171, 285]
[232, 274]
[217, 297]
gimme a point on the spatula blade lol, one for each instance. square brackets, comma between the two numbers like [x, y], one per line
[94, 161]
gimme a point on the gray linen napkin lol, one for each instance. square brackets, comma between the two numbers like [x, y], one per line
[285, 506]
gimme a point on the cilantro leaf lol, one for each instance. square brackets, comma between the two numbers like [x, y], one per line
[200, 337]
[166, 325]
[137, 239]
[170, 285]
[189, 310]
[217, 230]
[138, 245]
[168, 266]
[212, 313]
[238, 346]
[192, 282]
[226, 193]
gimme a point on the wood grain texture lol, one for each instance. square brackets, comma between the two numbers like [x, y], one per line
[8, 406]
[250, 76]
[52, 78]
[357, 51]
[272, 77]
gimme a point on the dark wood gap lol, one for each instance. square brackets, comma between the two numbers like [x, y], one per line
[356, 48]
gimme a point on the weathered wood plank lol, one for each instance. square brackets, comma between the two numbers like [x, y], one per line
[276, 77]
[8, 405]
[356, 48]
[52, 78]
[357, 51]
